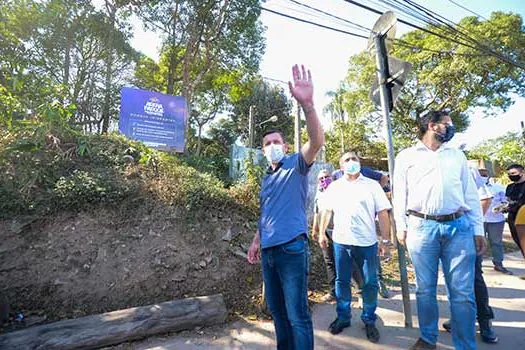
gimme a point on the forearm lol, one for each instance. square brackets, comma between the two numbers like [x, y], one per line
[325, 219]
[315, 224]
[384, 224]
[313, 126]
[257, 237]
[485, 204]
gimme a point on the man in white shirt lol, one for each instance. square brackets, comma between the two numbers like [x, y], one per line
[355, 201]
[438, 213]
[494, 222]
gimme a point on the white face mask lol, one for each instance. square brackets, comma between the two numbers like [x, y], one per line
[352, 167]
[274, 153]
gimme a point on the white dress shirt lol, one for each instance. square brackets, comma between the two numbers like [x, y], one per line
[498, 191]
[435, 183]
[355, 205]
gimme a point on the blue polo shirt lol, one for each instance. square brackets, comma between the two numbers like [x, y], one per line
[283, 201]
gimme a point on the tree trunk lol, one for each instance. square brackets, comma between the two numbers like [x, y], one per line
[199, 141]
[116, 327]
[112, 9]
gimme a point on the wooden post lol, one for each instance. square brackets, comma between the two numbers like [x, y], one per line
[115, 327]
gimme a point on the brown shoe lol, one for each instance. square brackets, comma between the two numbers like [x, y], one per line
[422, 345]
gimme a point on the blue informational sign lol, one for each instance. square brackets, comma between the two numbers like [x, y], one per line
[158, 120]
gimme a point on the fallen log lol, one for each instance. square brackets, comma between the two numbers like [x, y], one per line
[115, 327]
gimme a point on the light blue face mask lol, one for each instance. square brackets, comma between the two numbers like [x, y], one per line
[352, 167]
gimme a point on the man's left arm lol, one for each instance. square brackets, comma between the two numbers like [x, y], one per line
[471, 197]
[302, 90]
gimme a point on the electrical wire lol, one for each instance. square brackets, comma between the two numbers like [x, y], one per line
[313, 23]
[477, 47]
[467, 9]
[355, 25]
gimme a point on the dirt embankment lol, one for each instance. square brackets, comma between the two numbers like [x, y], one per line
[72, 265]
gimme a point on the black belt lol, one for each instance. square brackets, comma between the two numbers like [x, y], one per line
[439, 218]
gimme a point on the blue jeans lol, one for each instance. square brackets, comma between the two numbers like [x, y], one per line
[451, 242]
[366, 260]
[494, 233]
[285, 274]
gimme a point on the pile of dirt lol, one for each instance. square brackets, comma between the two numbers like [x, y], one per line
[72, 265]
[76, 264]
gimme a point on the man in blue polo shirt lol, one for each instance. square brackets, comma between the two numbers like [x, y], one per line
[281, 241]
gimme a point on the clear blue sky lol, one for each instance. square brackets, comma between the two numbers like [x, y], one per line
[326, 53]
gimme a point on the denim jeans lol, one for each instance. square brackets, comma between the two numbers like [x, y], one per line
[484, 311]
[366, 260]
[328, 256]
[451, 242]
[285, 274]
[494, 233]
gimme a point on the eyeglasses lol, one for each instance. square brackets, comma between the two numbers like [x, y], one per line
[324, 177]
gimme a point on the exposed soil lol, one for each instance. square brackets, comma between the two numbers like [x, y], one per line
[72, 265]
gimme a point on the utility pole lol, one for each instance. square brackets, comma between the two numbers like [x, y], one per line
[297, 129]
[383, 75]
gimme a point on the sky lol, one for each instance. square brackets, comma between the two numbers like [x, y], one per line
[326, 53]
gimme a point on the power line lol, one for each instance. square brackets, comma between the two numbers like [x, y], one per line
[313, 23]
[452, 28]
[478, 48]
[467, 9]
[356, 25]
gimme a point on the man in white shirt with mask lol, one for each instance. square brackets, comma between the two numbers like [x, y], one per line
[494, 221]
[355, 201]
[438, 215]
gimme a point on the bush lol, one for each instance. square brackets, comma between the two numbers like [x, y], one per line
[51, 166]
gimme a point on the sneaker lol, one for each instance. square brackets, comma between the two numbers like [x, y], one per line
[372, 333]
[327, 298]
[383, 290]
[337, 326]
[447, 326]
[488, 335]
[422, 345]
[501, 269]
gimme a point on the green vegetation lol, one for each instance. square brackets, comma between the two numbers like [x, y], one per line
[49, 165]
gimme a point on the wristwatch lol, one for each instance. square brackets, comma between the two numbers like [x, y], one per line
[385, 242]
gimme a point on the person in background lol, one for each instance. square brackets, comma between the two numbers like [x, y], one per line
[494, 222]
[515, 193]
[438, 217]
[324, 179]
[281, 241]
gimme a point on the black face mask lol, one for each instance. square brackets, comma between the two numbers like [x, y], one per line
[449, 134]
[515, 178]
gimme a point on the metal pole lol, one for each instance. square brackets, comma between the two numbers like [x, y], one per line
[297, 129]
[382, 76]
[251, 127]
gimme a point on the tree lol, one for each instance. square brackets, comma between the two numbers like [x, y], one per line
[201, 36]
[445, 75]
[505, 149]
[267, 100]
[66, 51]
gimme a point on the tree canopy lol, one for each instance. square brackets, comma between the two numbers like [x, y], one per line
[445, 75]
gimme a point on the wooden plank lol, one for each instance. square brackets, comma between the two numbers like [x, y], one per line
[115, 327]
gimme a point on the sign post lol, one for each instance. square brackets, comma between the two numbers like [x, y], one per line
[385, 28]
